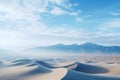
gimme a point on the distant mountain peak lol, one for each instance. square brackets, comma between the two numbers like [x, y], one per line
[89, 43]
[87, 47]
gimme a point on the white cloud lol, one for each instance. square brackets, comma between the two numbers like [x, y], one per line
[115, 14]
[108, 32]
[73, 5]
[79, 19]
[57, 11]
[20, 27]
[74, 13]
[110, 25]
[58, 2]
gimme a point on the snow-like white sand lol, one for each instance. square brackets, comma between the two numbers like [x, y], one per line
[67, 70]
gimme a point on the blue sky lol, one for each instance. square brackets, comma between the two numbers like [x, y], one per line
[30, 23]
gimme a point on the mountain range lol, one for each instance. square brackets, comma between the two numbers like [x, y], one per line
[83, 48]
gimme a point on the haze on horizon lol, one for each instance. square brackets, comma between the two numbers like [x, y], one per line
[30, 23]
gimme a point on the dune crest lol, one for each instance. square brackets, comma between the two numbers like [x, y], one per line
[40, 70]
[30, 70]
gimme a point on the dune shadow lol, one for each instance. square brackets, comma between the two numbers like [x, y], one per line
[21, 62]
[45, 64]
[90, 69]
[38, 70]
[75, 75]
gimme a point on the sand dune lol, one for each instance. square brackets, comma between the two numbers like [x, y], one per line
[57, 65]
[27, 70]
[73, 75]
[40, 70]
[86, 68]
[113, 69]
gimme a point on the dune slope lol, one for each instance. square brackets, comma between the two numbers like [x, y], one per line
[39, 70]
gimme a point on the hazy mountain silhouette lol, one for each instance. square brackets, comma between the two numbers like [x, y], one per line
[86, 47]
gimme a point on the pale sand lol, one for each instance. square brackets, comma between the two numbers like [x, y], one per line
[68, 70]
[36, 72]
[114, 69]
[57, 74]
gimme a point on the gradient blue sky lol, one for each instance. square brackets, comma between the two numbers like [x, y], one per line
[30, 23]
